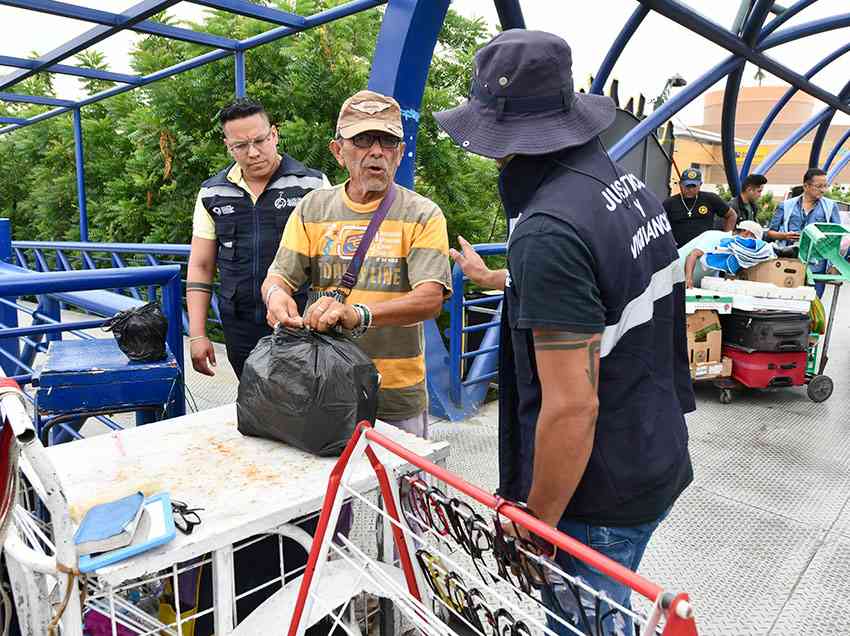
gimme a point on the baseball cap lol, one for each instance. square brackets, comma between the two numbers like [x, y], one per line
[369, 111]
[751, 226]
[691, 176]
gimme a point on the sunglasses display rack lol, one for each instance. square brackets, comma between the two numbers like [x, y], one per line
[463, 561]
[425, 551]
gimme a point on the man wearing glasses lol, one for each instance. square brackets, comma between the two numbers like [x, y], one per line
[792, 215]
[692, 212]
[812, 206]
[404, 276]
[239, 218]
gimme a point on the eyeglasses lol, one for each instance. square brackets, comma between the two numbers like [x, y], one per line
[185, 518]
[468, 603]
[818, 186]
[243, 147]
[366, 140]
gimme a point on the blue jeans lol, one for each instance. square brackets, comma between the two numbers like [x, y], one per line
[625, 545]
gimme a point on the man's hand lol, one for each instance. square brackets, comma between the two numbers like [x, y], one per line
[474, 268]
[327, 312]
[789, 236]
[689, 282]
[283, 310]
[203, 356]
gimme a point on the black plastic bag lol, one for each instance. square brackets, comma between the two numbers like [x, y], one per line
[140, 332]
[306, 389]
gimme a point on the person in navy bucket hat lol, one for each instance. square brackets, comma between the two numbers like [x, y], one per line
[523, 101]
[594, 376]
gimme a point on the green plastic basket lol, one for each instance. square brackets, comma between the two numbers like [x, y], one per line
[821, 241]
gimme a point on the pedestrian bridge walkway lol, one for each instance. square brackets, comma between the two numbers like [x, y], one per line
[761, 539]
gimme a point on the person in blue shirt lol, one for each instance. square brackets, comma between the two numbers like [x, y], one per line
[793, 215]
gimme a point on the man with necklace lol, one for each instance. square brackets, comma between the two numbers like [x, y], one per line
[692, 212]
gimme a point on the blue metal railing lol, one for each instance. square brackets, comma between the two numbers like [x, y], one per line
[47, 286]
[484, 367]
[46, 256]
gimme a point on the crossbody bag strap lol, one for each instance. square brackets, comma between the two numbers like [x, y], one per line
[349, 278]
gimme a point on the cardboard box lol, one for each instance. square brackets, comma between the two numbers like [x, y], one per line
[782, 272]
[704, 337]
[701, 322]
[697, 299]
[712, 370]
[708, 351]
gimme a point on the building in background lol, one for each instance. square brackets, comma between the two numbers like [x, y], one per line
[699, 145]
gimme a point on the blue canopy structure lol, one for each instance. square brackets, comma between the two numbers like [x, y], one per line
[401, 62]
[403, 53]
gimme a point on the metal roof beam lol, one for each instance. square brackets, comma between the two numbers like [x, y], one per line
[329, 15]
[729, 41]
[34, 99]
[88, 73]
[105, 18]
[806, 29]
[249, 10]
[11, 120]
[134, 15]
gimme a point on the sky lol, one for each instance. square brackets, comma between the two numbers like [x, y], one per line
[658, 50]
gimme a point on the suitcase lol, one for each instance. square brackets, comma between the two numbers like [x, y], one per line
[759, 370]
[767, 331]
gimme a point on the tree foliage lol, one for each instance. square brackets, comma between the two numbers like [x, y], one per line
[147, 150]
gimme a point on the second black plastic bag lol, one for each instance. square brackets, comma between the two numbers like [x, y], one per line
[307, 389]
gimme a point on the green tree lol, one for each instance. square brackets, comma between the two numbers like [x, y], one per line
[766, 207]
[147, 150]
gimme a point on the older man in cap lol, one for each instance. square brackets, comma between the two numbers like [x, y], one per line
[404, 273]
[594, 378]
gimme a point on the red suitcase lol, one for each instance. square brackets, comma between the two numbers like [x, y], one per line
[760, 370]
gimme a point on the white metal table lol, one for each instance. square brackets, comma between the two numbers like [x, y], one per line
[246, 486]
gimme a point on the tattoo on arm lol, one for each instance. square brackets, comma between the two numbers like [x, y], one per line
[200, 287]
[561, 340]
[593, 363]
[569, 341]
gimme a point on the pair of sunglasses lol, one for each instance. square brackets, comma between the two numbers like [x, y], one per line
[185, 518]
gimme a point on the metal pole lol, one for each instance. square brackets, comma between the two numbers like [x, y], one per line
[802, 131]
[752, 25]
[8, 315]
[172, 304]
[239, 63]
[777, 108]
[401, 63]
[835, 150]
[510, 14]
[616, 49]
[81, 175]
[741, 16]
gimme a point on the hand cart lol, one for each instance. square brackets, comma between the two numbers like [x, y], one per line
[819, 242]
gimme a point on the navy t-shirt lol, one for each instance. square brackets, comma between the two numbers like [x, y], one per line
[547, 254]
[691, 217]
[552, 285]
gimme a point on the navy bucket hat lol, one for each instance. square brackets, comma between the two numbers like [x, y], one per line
[522, 100]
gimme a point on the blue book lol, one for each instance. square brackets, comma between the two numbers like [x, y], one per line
[155, 528]
[110, 525]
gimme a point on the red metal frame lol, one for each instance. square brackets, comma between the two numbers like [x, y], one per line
[675, 625]
[7, 465]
